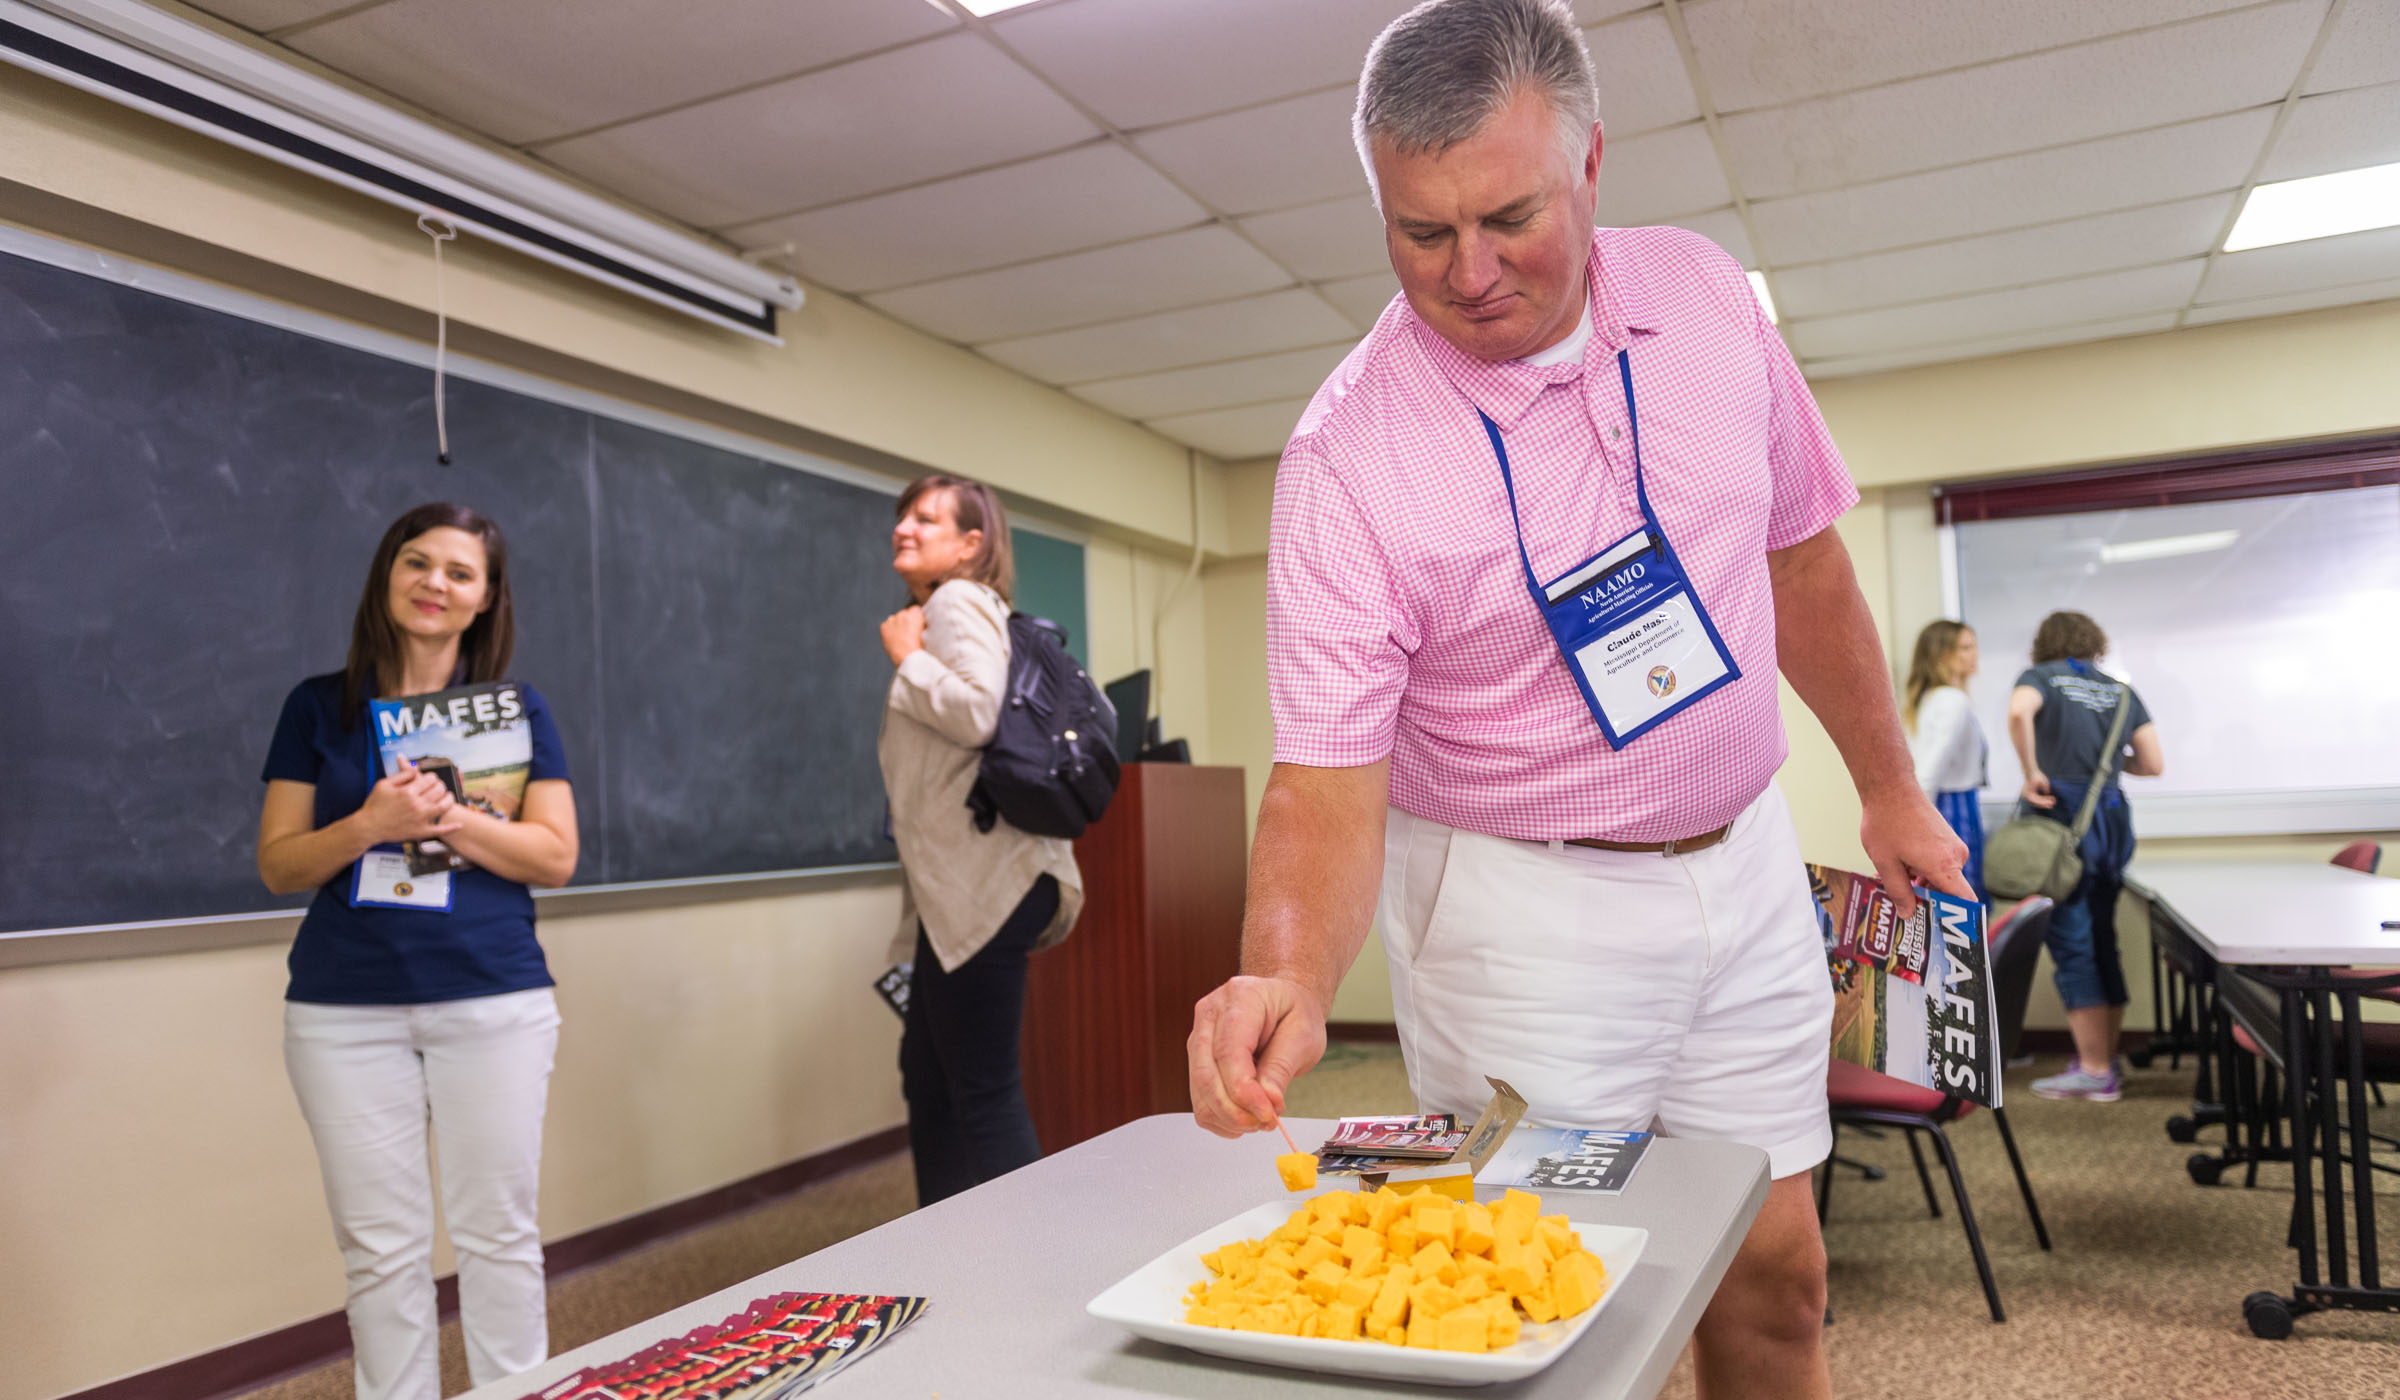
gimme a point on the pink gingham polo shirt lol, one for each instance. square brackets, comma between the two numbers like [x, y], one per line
[1397, 618]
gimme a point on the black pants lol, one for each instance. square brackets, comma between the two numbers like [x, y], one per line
[967, 1120]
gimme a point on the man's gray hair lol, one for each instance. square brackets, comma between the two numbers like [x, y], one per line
[1439, 72]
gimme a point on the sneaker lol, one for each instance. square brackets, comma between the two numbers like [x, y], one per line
[2079, 1083]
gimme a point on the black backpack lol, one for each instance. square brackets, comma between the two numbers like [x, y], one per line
[1052, 763]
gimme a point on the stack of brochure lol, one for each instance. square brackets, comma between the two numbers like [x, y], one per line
[772, 1350]
[1373, 1146]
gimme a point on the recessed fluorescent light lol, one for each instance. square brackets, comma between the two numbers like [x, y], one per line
[988, 7]
[1766, 299]
[2167, 546]
[2318, 207]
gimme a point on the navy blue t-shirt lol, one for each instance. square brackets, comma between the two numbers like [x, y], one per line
[382, 956]
[2070, 730]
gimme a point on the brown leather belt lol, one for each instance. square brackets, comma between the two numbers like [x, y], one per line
[1681, 846]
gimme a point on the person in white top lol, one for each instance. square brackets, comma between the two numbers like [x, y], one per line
[974, 904]
[1943, 737]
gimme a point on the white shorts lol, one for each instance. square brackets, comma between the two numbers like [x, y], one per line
[1615, 989]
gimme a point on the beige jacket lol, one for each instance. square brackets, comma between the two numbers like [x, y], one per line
[943, 708]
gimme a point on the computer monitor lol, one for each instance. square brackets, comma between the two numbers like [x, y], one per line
[1131, 697]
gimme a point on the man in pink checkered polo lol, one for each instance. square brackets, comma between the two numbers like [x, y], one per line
[1623, 931]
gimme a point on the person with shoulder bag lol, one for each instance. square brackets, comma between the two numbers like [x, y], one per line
[976, 903]
[2075, 730]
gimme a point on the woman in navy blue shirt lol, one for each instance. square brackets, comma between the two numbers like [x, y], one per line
[397, 1014]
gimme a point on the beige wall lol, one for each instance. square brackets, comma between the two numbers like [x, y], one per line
[153, 1161]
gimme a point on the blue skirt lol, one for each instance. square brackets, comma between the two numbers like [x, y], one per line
[1965, 816]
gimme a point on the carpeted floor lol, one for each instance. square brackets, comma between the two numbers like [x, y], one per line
[2141, 1299]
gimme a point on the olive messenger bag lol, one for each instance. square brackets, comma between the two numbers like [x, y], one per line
[2029, 854]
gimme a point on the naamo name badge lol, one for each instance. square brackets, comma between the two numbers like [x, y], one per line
[383, 878]
[1634, 636]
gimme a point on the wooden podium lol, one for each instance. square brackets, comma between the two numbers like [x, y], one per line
[1107, 1011]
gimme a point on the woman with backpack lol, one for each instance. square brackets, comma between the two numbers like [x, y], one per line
[975, 904]
[2060, 718]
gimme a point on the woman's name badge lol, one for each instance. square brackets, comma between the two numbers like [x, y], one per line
[383, 878]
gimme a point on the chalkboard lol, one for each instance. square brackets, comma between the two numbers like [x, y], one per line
[191, 501]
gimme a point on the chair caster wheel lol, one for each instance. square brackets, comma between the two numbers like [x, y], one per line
[2139, 1059]
[2269, 1316]
[2205, 1169]
[2182, 1129]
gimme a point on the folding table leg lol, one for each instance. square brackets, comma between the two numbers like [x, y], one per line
[2337, 1260]
[2362, 1184]
[2295, 1087]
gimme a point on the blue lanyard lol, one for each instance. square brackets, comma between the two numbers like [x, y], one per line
[1641, 494]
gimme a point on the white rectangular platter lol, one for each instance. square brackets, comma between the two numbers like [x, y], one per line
[1149, 1303]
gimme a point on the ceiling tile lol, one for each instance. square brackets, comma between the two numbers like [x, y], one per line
[1760, 53]
[2338, 131]
[1993, 345]
[1094, 194]
[831, 135]
[1140, 63]
[1363, 299]
[1645, 179]
[2160, 76]
[1231, 434]
[2363, 48]
[1269, 157]
[2118, 172]
[2129, 238]
[1284, 320]
[1642, 83]
[1105, 284]
[2348, 295]
[2304, 266]
[265, 15]
[1338, 238]
[1262, 378]
[2113, 294]
[1594, 11]
[524, 73]
[1722, 227]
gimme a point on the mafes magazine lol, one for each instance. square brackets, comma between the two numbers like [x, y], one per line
[1912, 998]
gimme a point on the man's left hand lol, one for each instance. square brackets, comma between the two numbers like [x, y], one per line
[1909, 843]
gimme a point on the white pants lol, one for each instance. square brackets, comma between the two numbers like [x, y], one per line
[368, 1078]
[1615, 989]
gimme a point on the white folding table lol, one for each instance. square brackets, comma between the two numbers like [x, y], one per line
[2291, 927]
[1008, 1267]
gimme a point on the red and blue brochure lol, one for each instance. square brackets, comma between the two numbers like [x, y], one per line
[777, 1347]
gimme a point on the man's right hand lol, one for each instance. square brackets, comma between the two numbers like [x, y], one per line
[2037, 791]
[1250, 1039]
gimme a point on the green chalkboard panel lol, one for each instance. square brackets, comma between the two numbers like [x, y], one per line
[1050, 584]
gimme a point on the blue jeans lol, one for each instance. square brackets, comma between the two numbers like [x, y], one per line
[2083, 926]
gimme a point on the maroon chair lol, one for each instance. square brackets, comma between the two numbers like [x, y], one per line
[2361, 856]
[1860, 1096]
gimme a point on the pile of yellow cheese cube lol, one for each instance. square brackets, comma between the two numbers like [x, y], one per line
[1416, 1270]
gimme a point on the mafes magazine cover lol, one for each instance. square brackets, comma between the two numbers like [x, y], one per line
[475, 738]
[1912, 998]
